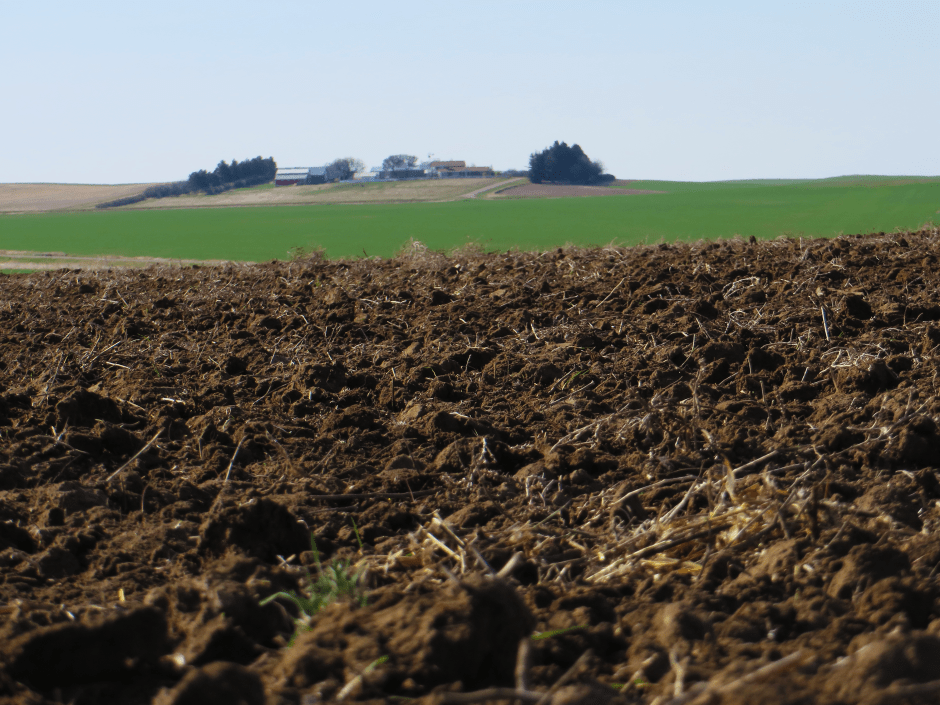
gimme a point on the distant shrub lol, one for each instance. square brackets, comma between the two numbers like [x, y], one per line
[126, 201]
[177, 188]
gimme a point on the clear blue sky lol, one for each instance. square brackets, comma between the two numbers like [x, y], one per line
[119, 92]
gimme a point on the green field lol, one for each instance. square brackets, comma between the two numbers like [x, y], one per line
[854, 181]
[688, 211]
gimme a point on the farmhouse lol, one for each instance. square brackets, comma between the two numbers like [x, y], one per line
[290, 176]
[458, 169]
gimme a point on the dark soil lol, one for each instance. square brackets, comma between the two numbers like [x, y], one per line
[705, 473]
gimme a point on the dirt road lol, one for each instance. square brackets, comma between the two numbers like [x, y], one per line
[474, 194]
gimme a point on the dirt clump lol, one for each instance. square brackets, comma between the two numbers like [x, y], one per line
[679, 473]
[467, 632]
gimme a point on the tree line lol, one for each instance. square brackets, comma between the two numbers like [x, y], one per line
[224, 177]
[569, 165]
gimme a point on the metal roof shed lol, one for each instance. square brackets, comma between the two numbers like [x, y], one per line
[289, 176]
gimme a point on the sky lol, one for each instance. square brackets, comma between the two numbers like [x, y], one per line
[127, 92]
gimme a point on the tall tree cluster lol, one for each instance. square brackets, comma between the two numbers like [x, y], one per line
[250, 172]
[563, 164]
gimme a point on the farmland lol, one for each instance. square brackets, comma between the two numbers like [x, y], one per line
[691, 472]
[44, 198]
[420, 191]
[684, 212]
[855, 181]
[39, 198]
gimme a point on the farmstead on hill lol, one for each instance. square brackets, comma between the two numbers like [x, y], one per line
[292, 176]
[459, 169]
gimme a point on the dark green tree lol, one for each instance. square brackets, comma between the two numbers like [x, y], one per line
[235, 175]
[223, 172]
[568, 165]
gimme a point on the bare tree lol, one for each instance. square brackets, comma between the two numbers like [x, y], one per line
[399, 161]
[342, 169]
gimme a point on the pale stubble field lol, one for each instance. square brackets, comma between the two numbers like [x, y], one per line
[421, 191]
[40, 198]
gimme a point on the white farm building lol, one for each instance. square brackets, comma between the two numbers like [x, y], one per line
[289, 176]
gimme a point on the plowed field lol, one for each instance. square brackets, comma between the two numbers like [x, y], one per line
[693, 473]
